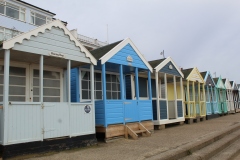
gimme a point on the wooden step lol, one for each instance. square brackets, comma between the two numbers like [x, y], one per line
[133, 132]
[140, 131]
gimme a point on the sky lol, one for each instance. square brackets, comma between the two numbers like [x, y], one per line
[194, 33]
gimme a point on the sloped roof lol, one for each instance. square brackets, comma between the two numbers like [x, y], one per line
[231, 82]
[203, 74]
[41, 29]
[100, 52]
[215, 80]
[224, 80]
[155, 63]
[186, 72]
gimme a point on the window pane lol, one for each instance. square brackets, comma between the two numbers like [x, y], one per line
[85, 95]
[143, 90]
[153, 82]
[98, 94]
[51, 83]
[22, 16]
[108, 78]
[98, 86]
[119, 96]
[35, 81]
[17, 80]
[98, 76]
[51, 74]
[1, 90]
[115, 96]
[51, 99]
[17, 98]
[1, 8]
[1, 98]
[12, 13]
[118, 87]
[14, 90]
[114, 78]
[86, 75]
[85, 85]
[35, 99]
[51, 92]
[17, 71]
[39, 21]
[109, 95]
[1, 79]
[114, 87]
[32, 20]
[35, 91]
[40, 16]
[109, 86]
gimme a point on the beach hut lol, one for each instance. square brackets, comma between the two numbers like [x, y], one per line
[238, 110]
[194, 95]
[167, 93]
[210, 93]
[36, 111]
[123, 100]
[229, 96]
[221, 95]
[235, 95]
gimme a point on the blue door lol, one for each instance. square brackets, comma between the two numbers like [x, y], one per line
[131, 111]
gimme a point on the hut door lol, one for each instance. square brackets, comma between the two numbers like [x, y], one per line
[130, 110]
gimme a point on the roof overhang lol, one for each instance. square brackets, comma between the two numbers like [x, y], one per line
[118, 47]
[163, 63]
[41, 29]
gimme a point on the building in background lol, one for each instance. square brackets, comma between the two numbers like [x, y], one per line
[17, 16]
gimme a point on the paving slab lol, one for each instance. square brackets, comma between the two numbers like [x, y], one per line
[146, 147]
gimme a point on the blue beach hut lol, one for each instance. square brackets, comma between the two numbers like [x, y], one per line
[212, 110]
[123, 101]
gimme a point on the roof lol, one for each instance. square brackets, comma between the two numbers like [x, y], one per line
[215, 80]
[186, 72]
[100, 52]
[35, 7]
[224, 80]
[231, 82]
[41, 29]
[203, 74]
[155, 63]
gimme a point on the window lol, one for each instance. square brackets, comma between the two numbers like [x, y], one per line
[113, 86]
[17, 84]
[6, 34]
[51, 86]
[39, 19]
[162, 88]
[143, 87]
[86, 85]
[12, 11]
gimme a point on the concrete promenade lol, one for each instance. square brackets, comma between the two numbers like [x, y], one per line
[147, 147]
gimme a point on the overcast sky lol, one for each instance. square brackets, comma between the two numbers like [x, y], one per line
[195, 33]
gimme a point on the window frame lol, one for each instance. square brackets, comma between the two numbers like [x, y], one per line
[33, 14]
[14, 7]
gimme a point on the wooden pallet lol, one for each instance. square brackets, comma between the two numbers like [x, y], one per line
[163, 126]
[196, 119]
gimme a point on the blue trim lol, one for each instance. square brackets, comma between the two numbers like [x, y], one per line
[121, 81]
[75, 95]
[149, 85]
[136, 83]
[104, 90]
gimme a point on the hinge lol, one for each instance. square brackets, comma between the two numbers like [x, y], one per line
[42, 106]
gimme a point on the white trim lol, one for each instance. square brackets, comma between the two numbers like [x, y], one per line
[57, 23]
[163, 63]
[117, 48]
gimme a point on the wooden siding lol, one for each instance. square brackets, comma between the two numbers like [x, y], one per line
[114, 112]
[56, 120]
[82, 123]
[195, 76]
[145, 107]
[209, 81]
[1, 125]
[163, 109]
[75, 85]
[154, 109]
[172, 71]
[121, 58]
[99, 113]
[54, 40]
[25, 123]
[179, 108]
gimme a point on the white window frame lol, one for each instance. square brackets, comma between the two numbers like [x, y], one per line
[33, 13]
[20, 10]
[134, 90]
[21, 65]
[46, 68]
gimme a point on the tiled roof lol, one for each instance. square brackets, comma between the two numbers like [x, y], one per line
[155, 63]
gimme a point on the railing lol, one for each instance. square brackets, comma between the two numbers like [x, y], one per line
[92, 41]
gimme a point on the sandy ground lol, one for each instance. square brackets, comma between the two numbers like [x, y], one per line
[144, 147]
